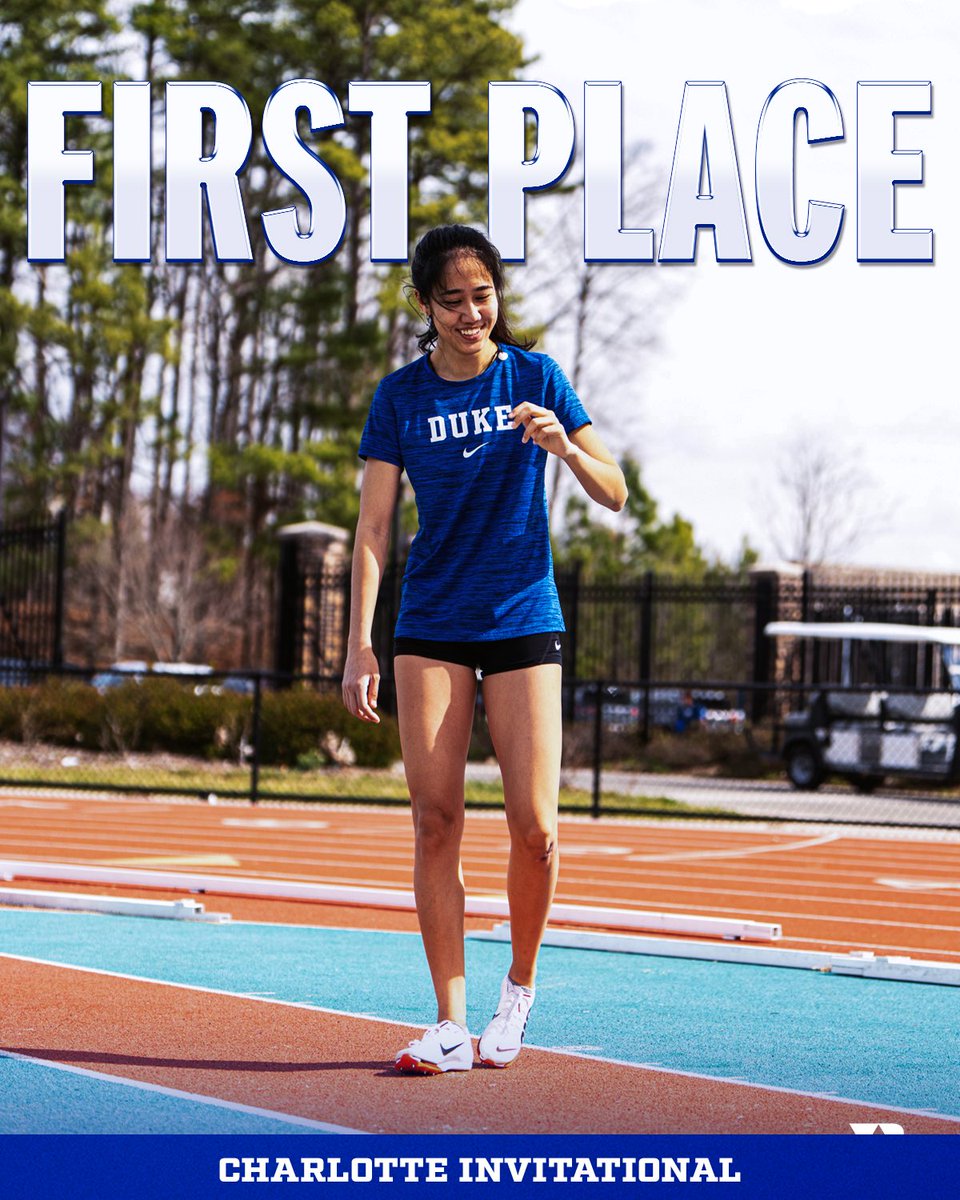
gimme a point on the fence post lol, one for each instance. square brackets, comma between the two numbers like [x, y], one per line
[288, 609]
[597, 750]
[574, 617]
[765, 611]
[646, 648]
[61, 587]
[805, 598]
[568, 588]
[255, 741]
[929, 658]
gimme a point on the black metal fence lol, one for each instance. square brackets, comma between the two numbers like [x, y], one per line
[649, 628]
[32, 562]
[653, 628]
[675, 702]
[675, 749]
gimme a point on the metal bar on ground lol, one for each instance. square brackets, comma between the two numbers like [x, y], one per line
[862, 963]
[176, 910]
[476, 906]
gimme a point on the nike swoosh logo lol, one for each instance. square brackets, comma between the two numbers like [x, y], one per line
[449, 1049]
[556, 645]
[467, 453]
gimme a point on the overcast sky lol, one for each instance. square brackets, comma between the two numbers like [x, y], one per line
[750, 356]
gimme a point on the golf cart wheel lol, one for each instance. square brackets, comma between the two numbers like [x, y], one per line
[866, 784]
[803, 767]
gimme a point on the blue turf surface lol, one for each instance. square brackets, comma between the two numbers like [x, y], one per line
[35, 1098]
[887, 1043]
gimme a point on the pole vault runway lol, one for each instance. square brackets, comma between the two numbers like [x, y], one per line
[288, 1017]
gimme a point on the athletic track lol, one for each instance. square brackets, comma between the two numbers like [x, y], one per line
[831, 889]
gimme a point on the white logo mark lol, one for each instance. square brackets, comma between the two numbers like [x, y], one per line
[556, 645]
[467, 453]
[884, 1127]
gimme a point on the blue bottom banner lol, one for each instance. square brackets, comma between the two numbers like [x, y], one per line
[196, 1167]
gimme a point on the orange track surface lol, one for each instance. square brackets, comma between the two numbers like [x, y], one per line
[827, 894]
[339, 1069]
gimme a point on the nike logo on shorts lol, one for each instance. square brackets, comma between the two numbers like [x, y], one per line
[468, 453]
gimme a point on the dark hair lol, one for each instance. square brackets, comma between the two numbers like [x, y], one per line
[434, 251]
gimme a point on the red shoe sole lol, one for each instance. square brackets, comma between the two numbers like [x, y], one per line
[410, 1065]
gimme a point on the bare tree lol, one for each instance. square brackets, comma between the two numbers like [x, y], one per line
[825, 506]
[168, 601]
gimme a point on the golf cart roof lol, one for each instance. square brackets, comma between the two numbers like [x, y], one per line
[865, 631]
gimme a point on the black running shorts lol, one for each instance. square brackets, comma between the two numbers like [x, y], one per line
[488, 658]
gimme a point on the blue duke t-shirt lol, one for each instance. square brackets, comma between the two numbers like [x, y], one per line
[480, 566]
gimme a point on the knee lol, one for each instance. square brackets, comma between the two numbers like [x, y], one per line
[436, 828]
[539, 844]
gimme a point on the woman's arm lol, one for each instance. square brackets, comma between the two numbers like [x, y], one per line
[584, 453]
[361, 672]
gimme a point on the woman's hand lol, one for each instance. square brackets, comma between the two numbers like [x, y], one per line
[361, 682]
[542, 427]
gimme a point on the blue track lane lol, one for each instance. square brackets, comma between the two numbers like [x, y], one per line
[893, 1044]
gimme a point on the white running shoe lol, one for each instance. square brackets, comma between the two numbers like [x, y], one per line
[503, 1037]
[443, 1047]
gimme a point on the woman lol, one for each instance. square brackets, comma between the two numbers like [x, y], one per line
[472, 422]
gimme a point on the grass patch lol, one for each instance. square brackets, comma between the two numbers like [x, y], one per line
[278, 783]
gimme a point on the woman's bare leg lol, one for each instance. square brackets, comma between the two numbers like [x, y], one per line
[524, 717]
[435, 705]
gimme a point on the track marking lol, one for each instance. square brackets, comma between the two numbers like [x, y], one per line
[765, 1087]
[197, 1097]
[920, 885]
[566, 1052]
[176, 860]
[33, 804]
[586, 849]
[271, 823]
[876, 946]
[693, 855]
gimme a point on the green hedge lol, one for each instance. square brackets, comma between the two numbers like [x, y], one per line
[159, 714]
[297, 725]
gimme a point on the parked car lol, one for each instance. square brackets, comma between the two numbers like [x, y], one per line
[865, 736]
[15, 672]
[136, 670]
[619, 706]
[622, 708]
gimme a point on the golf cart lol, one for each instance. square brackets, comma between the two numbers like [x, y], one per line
[864, 736]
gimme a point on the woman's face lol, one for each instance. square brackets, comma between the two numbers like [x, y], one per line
[464, 309]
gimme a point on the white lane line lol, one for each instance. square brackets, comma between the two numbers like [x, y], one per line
[759, 903]
[271, 823]
[921, 885]
[694, 855]
[566, 1052]
[624, 877]
[196, 1097]
[193, 987]
[880, 947]
[488, 853]
[56, 804]
[586, 848]
[94, 801]
[746, 1083]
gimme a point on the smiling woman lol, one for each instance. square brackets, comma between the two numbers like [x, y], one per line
[479, 601]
